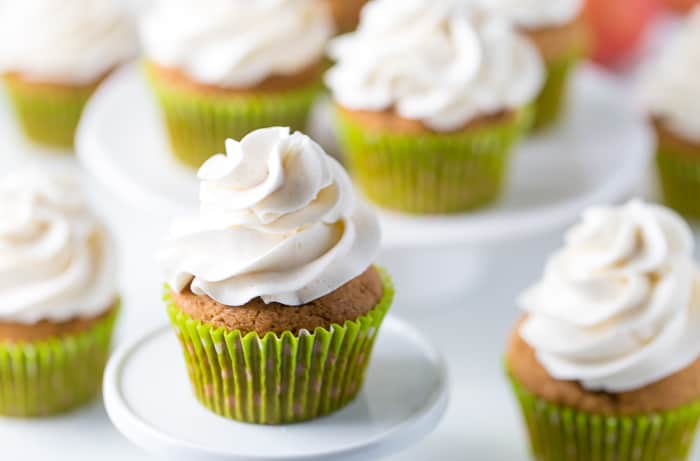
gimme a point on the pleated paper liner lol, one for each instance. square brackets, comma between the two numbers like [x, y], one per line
[552, 98]
[278, 379]
[55, 375]
[680, 180]
[432, 172]
[199, 124]
[47, 114]
[563, 434]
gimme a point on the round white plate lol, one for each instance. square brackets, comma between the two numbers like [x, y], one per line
[596, 154]
[148, 397]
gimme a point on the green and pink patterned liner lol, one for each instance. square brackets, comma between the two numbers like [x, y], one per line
[48, 116]
[558, 433]
[551, 101]
[432, 172]
[680, 180]
[278, 379]
[55, 375]
[198, 123]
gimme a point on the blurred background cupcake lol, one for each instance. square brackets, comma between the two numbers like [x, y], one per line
[53, 55]
[671, 92]
[682, 6]
[557, 29]
[346, 13]
[271, 287]
[58, 292]
[431, 98]
[606, 363]
[222, 68]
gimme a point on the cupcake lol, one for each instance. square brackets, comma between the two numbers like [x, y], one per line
[222, 68]
[54, 54]
[346, 13]
[271, 287]
[671, 91]
[606, 362]
[559, 33]
[431, 97]
[58, 291]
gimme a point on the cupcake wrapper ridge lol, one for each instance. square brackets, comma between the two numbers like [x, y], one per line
[278, 379]
[563, 434]
[198, 124]
[432, 172]
[54, 375]
[680, 180]
[48, 116]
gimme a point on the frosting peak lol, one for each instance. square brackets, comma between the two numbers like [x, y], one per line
[439, 62]
[67, 41]
[670, 89]
[619, 306]
[236, 43]
[277, 220]
[57, 262]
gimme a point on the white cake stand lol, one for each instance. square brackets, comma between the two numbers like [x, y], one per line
[403, 399]
[597, 153]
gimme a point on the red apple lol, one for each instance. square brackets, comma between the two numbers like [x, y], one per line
[682, 6]
[618, 27]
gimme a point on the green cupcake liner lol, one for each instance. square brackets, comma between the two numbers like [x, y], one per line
[278, 379]
[563, 434]
[47, 115]
[54, 375]
[680, 180]
[198, 124]
[431, 172]
[551, 101]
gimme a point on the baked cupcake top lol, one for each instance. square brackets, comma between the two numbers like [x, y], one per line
[671, 89]
[57, 261]
[618, 307]
[73, 42]
[278, 220]
[535, 14]
[440, 62]
[236, 43]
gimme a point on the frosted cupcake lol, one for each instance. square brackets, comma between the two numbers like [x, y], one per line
[222, 68]
[58, 291]
[271, 287]
[606, 363]
[671, 91]
[556, 28]
[346, 13]
[53, 54]
[431, 98]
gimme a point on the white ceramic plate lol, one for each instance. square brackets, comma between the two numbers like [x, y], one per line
[595, 155]
[403, 399]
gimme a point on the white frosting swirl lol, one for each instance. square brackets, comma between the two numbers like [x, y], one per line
[237, 43]
[438, 62]
[671, 90]
[619, 306]
[67, 41]
[278, 220]
[57, 262]
[533, 14]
